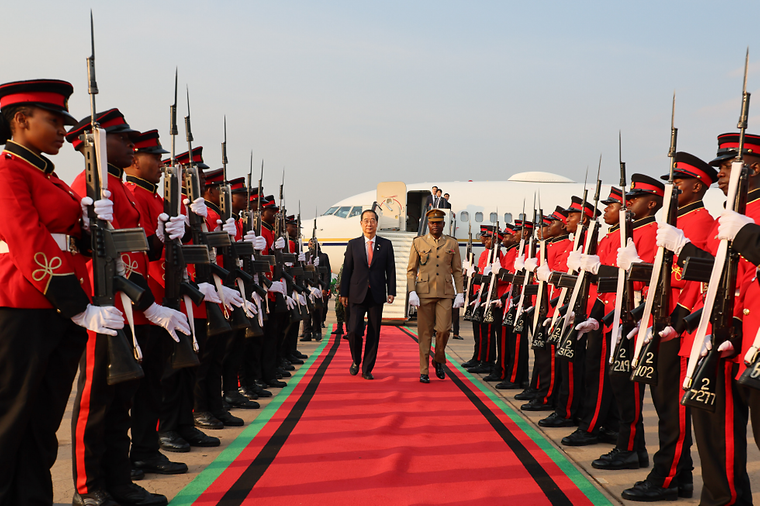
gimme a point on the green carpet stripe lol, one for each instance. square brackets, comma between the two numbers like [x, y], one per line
[195, 488]
[567, 467]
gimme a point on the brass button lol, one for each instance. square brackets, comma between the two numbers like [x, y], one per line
[746, 311]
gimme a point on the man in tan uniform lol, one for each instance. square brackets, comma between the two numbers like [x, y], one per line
[433, 261]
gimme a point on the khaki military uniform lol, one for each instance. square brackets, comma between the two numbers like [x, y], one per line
[435, 273]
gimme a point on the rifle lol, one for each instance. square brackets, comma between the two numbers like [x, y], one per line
[510, 310]
[177, 256]
[538, 341]
[620, 349]
[308, 274]
[645, 356]
[579, 298]
[107, 244]
[493, 286]
[470, 258]
[216, 323]
[701, 375]
[280, 270]
[519, 324]
[478, 312]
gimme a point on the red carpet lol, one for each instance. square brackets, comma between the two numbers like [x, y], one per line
[340, 439]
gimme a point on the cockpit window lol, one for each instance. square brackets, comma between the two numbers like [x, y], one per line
[343, 212]
[330, 211]
[355, 211]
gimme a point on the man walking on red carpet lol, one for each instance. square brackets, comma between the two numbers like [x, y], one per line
[368, 270]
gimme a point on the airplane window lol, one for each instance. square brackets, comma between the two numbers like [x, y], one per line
[507, 217]
[343, 212]
[478, 217]
[330, 211]
[355, 211]
[494, 217]
[464, 216]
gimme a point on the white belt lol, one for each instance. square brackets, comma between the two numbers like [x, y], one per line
[64, 242]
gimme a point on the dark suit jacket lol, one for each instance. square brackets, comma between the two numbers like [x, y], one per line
[444, 204]
[429, 201]
[358, 276]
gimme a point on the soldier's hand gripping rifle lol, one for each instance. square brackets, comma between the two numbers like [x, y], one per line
[579, 298]
[510, 308]
[520, 316]
[479, 310]
[493, 284]
[108, 244]
[645, 355]
[702, 375]
[538, 331]
[211, 273]
[178, 256]
[468, 284]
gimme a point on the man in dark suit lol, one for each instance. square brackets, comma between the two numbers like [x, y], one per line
[445, 204]
[368, 281]
[430, 200]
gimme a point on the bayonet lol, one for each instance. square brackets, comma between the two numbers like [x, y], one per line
[173, 131]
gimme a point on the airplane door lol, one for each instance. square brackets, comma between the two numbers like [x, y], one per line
[391, 202]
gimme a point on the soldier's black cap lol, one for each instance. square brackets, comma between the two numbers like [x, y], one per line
[50, 94]
[689, 166]
[559, 214]
[615, 197]
[588, 209]
[112, 121]
[184, 158]
[291, 220]
[237, 185]
[269, 203]
[147, 142]
[728, 147]
[641, 184]
[213, 177]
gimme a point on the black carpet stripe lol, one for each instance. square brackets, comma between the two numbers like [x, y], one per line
[550, 489]
[256, 469]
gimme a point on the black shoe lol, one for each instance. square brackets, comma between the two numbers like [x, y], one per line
[323, 325]
[508, 385]
[195, 437]
[300, 355]
[354, 369]
[686, 490]
[305, 339]
[95, 498]
[229, 420]
[260, 391]
[608, 436]
[493, 377]
[295, 360]
[622, 459]
[457, 337]
[276, 384]
[248, 393]
[481, 368]
[526, 395]
[424, 378]
[137, 474]
[159, 464]
[439, 372]
[128, 495]
[171, 441]
[237, 400]
[647, 492]
[206, 420]
[285, 365]
[368, 376]
[580, 438]
[317, 336]
[470, 363]
[338, 329]
[283, 374]
[554, 420]
[278, 374]
[536, 405]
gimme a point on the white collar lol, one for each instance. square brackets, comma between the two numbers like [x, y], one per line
[367, 239]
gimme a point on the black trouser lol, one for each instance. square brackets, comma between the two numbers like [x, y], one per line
[518, 350]
[274, 327]
[547, 377]
[672, 464]
[629, 396]
[100, 421]
[477, 341]
[251, 370]
[178, 387]
[598, 407]
[233, 360]
[39, 352]
[208, 380]
[503, 365]
[570, 391]
[156, 345]
[455, 321]
[374, 312]
[291, 340]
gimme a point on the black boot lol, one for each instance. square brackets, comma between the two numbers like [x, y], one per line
[338, 329]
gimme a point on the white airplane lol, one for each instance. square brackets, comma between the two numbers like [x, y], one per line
[400, 207]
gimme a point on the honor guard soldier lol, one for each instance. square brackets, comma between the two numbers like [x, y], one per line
[503, 363]
[45, 301]
[435, 272]
[101, 411]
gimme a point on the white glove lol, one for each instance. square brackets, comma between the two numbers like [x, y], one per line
[496, 267]
[279, 243]
[725, 348]
[497, 302]
[414, 300]
[302, 257]
[315, 292]
[252, 308]
[259, 243]
[627, 256]
[170, 319]
[647, 335]
[574, 260]
[589, 325]
[232, 297]
[519, 264]
[209, 293]
[590, 263]
[671, 238]
[229, 227]
[290, 302]
[316, 261]
[531, 264]
[730, 224]
[634, 332]
[100, 319]
[175, 226]
[197, 206]
[668, 333]
[570, 318]
[302, 299]
[470, 271]
[487, 270]
[466, 265]
[458, 301]
[547, 322]
[277, 287]
[543, 273]
[103, 209]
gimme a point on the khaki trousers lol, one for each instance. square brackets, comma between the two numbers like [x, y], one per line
[433, 314]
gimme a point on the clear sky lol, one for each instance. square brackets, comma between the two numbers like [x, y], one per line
[345, 94]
